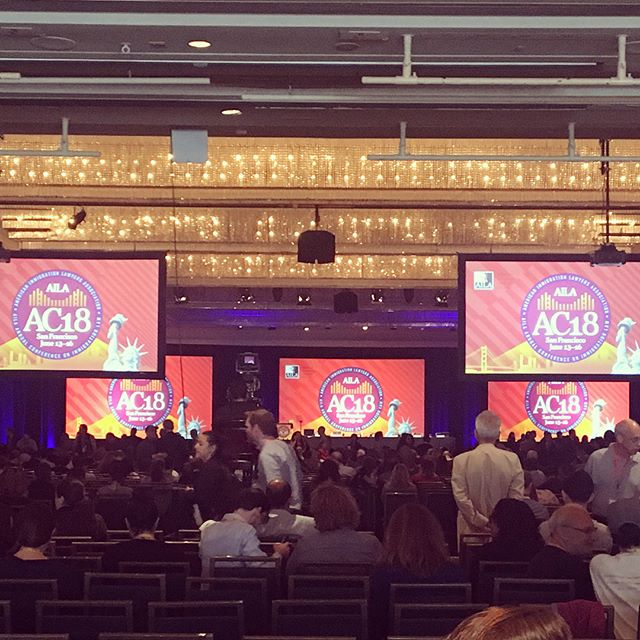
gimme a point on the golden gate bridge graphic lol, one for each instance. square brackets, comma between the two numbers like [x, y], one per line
[39, 298]
[365, 387]
[522, 363]
[546, 302]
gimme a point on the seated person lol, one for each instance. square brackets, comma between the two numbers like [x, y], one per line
[118, 470]
[515, 533]
[570, 541]
[76, 516]
[235, 534]
[142, 521]
[33, 533]
[578, 489]
[533, 498]
[399, 480]
[427, 472]
[42, 488]
[280, 522]
[335, 540]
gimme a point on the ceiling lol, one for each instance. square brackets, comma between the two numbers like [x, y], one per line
[295, 70]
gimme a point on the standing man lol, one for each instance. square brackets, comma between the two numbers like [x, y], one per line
[615, 470]
[277, 460]
[482, 477]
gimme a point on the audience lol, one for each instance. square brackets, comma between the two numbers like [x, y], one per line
[118, 470]
[76, 516]
[616, 580]
[336, 540]
[235, 534]
[515, 533]
[399, 480]
[280, 522]
[142, 521]
[531, 499]
[42, 487]
[570, 541]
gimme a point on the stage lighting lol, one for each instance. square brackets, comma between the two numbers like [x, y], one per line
[345, 302]
[78, 218]
[304, 299]
[377, 297]
[181, 297]
[441, 298]
[246, 297]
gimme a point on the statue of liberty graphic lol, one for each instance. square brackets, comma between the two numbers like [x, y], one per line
[185, 427]
[627, 359]
[122, 358]
[404, 426]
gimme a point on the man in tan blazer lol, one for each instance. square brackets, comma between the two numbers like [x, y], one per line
[483, 476]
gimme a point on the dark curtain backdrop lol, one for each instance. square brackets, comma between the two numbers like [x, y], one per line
[36, 405]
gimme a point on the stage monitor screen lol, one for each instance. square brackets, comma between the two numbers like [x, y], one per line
[120, 404]
[353, 396]
[98, 315]
[591, 408]
[538, 318]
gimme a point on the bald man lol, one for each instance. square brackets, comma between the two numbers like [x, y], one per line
[280, 521]
[570, 541]
[615, 470]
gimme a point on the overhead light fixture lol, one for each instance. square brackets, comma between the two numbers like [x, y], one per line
[181, 297]
[377, 296]
[231, 112]
[199, 44]
[365, 327]
[608, 255]
[77, 219]
[317, 246]
[246, 297]
[5, 254]
[304, 299]
[441, 298]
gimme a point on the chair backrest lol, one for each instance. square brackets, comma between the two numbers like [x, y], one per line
[301, 638]
[189, 534]
[335, 569]
[34, 636]
[223, 619]
[532, 591]
[488, 570]
[63, 544]
[269, 568]
[393, 500]
[140, 588]
[83, 619]
[430, 593]
[122, 534]
[90, 548]
[82, 564]
[113, 510]
[253, 592]
[176, 574]
[5, 616]
[154, 636]
[609, 621]
[320, 617]
[440, 501]
[22, 594]
[430, 619]
[328, 587]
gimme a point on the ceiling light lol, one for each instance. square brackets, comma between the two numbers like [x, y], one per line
[365, 327]
[246, 296]
[306, 328]
[377, 297]
[441, 298]
[76, 219]
[181, 297]
[199, 44]
[304, 299]
[231, 112]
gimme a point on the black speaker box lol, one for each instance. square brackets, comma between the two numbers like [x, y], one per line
[317, 246]
[345, 302]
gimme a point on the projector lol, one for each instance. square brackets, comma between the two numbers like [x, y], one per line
[317, 246]
[608, 256]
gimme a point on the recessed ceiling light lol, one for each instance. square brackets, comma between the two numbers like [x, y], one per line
[231, 112]
[199, 44]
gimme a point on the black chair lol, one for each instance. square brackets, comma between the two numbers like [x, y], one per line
[469, 547]
[320, 617]
[430, 593]
[154, 636]
[488, 570]
[140, 588]
[269, 568]
[82, 619]
[175, 573]
[113, 510]
[440, 501]
[299, 638]
[224, 619]
[189, 534]
[392, 500]
[253, 592]
[34, 636]
[90, 548]
[328, 587]
[23, 594]
[335, 569]
[63, 544]
[532, 591]
[430, 619]
[5, 616]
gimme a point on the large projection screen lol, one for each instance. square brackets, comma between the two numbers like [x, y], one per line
[349, 396]
[121, 404]
[590, 407]
[92, 314]
[543, 317]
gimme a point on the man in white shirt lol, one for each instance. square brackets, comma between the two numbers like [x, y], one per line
[615, 581]
[482, 477]
[235, 534]
[280, 521]
[277, 460]
[578, 489]
[615, 470]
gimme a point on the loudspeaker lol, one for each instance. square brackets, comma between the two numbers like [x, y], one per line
[317, 246]
[189, 145]
[345, 302]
